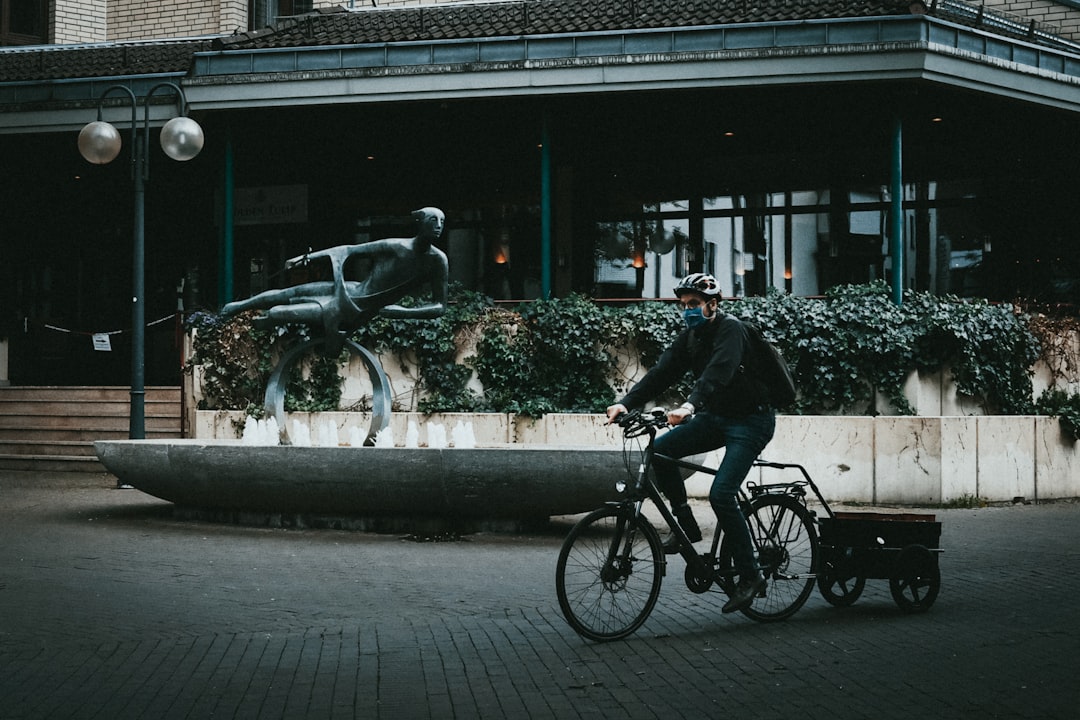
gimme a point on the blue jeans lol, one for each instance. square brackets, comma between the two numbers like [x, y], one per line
[743, 439]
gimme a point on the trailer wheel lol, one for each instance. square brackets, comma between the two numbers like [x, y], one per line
[916, 579]
[840, 589]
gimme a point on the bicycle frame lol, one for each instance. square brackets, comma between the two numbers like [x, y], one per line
[611, 565]
[699, 565]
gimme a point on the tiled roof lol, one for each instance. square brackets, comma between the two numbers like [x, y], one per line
[463, 20]
[90, 61]
[535, 17]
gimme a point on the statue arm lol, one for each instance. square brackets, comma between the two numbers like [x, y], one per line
[437, 307]
[343, 251]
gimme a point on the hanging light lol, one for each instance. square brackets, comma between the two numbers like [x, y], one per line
[181, 138]
[99, 142]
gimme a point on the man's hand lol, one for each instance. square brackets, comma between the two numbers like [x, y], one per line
[678, 415]
[615, 411]
[299, 260]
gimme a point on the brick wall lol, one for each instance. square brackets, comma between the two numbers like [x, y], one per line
[77, 21]
[80, 21]
[1062, 18]
[147, 19]
[1059, 18]
[399, 3]
[233, 17]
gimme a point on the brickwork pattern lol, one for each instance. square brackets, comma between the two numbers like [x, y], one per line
[89, 21]
[233, 16]
[111, 608]
[1059, 18]
[78, 21]
[147, 19]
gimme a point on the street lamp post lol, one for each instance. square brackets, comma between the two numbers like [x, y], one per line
[99, 142]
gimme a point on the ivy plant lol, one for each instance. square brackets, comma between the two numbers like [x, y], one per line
[572, 354]
[549, 357]
[430, 349]
[236, 360]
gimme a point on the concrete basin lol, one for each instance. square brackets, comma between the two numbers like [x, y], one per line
[520, 482]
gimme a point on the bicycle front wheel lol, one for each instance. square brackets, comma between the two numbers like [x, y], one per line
[609, 573]
[783, 529]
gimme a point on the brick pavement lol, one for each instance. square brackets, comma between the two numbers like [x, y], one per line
[111, 608]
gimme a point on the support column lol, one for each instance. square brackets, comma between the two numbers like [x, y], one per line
[545, 208]
[896, 214]
[4, 379]
[226, 250]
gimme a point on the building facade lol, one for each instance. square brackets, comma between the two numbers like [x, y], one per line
[598, 146]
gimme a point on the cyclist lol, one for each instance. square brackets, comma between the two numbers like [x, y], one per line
[726, 408]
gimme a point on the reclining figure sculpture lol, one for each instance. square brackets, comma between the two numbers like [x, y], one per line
[389, 269]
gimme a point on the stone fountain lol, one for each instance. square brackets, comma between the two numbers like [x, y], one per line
[281, 481]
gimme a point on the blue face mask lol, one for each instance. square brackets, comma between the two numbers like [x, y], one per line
[694, 317]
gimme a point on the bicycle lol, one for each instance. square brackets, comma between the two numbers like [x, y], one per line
[612, 562]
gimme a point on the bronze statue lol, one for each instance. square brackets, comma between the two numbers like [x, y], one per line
[389, 269]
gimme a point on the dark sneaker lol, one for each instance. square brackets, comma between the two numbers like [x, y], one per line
[744, 594]
[685, 516]
[671, 544]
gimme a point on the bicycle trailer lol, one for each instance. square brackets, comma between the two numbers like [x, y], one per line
[902, 548]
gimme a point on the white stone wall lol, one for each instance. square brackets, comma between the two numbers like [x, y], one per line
[150, 19]
[1062, 18]
[89, 21]
[905, 461]
[77, 21]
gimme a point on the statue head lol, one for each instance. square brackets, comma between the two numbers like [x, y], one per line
[429, 223]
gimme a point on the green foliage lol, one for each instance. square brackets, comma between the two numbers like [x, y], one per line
[1058, 336]
[550, 357]
[432, 347]
[649, 326]
[237, 360]
[562, 355]
[1065, 406]
[856, 342]
[234, 360]
[965, 502]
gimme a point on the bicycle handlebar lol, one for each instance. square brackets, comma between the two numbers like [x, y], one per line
[636, 422]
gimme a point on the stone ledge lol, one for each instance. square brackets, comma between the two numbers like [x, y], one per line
[860, 459]
[521, 483]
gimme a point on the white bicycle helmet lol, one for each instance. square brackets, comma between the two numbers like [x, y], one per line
[700, 283]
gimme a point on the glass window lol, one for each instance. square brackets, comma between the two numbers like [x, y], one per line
[799, 241]
[23, 22]
[263, 13]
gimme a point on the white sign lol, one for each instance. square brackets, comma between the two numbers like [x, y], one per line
[102, 342]
[270, 205]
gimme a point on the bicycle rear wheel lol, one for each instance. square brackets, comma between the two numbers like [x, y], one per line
[784, 530]
[609, 573]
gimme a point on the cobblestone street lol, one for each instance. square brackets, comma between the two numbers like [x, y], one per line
[112, 608]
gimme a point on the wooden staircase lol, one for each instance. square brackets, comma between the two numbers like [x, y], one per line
[53, 429]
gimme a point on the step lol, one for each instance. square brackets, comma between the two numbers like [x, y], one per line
[51, 463]
[156, 393]
[52, 429]
[37, 426]
[60, 479]
[63, 448]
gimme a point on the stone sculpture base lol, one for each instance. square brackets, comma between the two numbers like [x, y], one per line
[366, 487]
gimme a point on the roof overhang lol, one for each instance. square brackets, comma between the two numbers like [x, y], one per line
[731, 56]
[825, 51]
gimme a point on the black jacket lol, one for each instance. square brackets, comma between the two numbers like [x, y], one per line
[715, 353]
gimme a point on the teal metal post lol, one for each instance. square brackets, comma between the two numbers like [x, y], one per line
[225, 258]
[137, 417]
[545, 209]
[896, 214]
